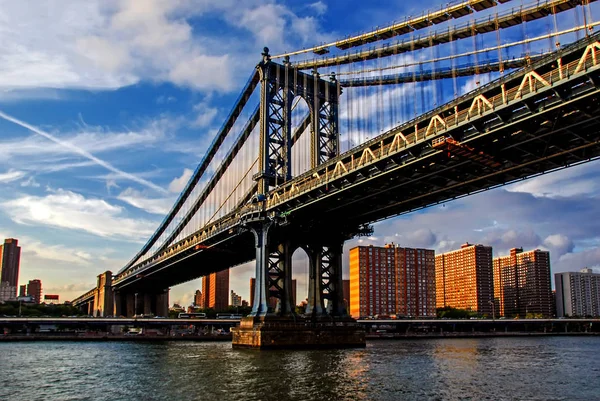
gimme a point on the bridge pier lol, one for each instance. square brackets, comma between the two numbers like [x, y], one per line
[322, 326]
[103, 297]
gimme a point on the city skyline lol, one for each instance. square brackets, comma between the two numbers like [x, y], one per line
[151, 125]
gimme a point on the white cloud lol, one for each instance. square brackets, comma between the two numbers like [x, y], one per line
[558, 244]
[178, 184]
[141, 201]
[30, 182]
[206, 114]
[82, 152]
[11, 175]
[72, 211]
[97, 44]
[165, 99]
[57, 253]
[319, 7]
[574, 181]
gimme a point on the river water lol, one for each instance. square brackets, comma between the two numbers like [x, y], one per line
[551, 368]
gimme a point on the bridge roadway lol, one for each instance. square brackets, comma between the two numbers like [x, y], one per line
[532, 121]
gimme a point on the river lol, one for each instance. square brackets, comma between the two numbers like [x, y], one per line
[549, 368]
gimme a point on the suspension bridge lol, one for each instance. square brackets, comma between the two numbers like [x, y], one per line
[323, 142]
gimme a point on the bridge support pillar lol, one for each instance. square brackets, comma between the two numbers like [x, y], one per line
[162, 304]
[323, 327]
[103, 298]
[261, 237]
[117, 304]
[147, 304]
[325, 280]
[130, 304]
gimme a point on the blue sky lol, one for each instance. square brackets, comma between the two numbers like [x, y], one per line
[126, 96]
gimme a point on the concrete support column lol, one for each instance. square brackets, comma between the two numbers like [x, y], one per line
[90, 309]
[146, 304]
[117, 304]
[130, 304]
[162, 304]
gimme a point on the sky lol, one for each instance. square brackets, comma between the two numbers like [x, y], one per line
[107, 107]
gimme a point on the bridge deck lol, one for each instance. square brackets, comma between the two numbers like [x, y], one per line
[531, 121]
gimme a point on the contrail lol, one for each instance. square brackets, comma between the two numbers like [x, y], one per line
[83, 153]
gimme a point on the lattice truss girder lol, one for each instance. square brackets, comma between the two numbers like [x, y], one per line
[278, 165]
[327, 136]
[276, 272]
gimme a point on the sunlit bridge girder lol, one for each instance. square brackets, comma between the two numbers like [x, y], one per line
[455, 9]
[510, 18]
[441, 73]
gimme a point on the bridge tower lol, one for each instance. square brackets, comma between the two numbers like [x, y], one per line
[280, 84]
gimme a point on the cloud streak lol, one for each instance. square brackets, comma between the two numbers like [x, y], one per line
[84, 153]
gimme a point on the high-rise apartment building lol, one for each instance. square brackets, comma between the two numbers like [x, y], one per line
[236, 300]
[215, 291]
[577, 293]
[23, 290]
[198, 299]
[10, 259]
[34, 289]
[522, 283]
[464, 279]
[392, 280]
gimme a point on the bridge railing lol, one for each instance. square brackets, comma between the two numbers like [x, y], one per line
[530, 83]
[85, 297]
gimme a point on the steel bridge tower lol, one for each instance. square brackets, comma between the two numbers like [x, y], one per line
[280, 84]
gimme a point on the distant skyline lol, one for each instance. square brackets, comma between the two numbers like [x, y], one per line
[106, 108]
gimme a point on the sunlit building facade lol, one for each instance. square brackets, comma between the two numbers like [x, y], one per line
[34, 290]
[10, 260]
[198, 299]
[215, 291]
[522, 283]
[464, 279]
[392, 280]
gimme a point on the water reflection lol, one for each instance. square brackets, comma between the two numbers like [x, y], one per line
[467, 369]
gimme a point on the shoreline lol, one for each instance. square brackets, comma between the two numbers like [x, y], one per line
[223, 338]
[102, 338]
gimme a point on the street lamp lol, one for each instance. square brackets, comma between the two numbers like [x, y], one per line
[493, 309]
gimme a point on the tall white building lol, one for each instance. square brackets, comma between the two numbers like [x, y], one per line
[577, 293]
